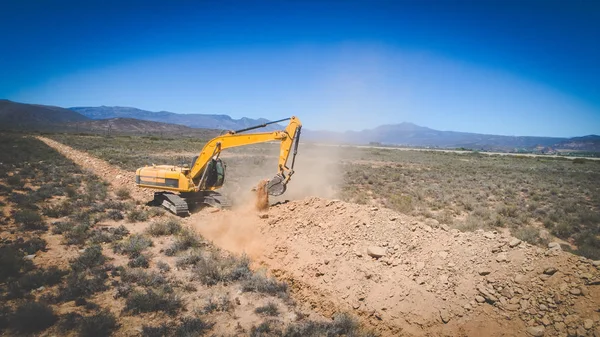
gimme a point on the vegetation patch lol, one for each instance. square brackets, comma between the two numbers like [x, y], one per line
[151, 301]
[164, 227]
[32, 317]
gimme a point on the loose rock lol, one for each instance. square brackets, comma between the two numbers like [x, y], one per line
[514, 242]
[588, 324]
[502, 257]
[536, 331]
[376, 252]
[554, 245]
[484, 271]
[550, 271]
[445, 316]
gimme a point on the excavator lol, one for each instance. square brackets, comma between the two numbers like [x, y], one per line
[181, 188]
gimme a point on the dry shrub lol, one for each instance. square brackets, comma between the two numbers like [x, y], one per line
[262, 197]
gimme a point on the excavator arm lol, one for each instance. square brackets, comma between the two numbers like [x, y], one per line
[288, 137]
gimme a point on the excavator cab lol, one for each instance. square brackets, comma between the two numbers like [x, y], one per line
[215, 173]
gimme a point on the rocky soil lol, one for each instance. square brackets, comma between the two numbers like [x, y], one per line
[403, 275]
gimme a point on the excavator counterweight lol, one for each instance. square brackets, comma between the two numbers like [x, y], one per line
[181, 187]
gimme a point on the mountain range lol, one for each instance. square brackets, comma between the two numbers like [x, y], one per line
[21, 116]
[223, 122]
[409, 134]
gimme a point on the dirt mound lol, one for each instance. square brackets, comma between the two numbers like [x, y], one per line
[118, 178]
[403, 275]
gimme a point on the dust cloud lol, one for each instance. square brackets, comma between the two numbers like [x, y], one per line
[262, 197]
[317, 173]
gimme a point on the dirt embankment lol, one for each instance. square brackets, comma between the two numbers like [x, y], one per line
[116, 177]
[404, 276]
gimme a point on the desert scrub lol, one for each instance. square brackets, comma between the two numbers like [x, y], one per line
[262, 284]
[141, 261]
[220, 303]
[32, 317]
[29, 220]
[133, 246]
[215, 268]
[142, 277]
[529, 234]
[137, 214]
[185, 240]
[102, 323]
[152, 301]
[342, 325]
[123, 193]
[164, 227]
[269, 309]
[12, 263]
[37, 278]
[189, 326]
[88, 275]
[108, 235]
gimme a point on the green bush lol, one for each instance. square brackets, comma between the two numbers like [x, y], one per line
[108, 235]
[342, 325]
[61, 227]
[262, 284]
[12, 263]
[133, 246]
[214, 269]
[189, 326]
[41, 277]
[142, 278]
[30, 220]
[164, 227]
[141, 261]
[151, 301]
[269, 309]
[137, 214]
[529, 234]
[90, 258]
[32, 317]
[103, 323]
[123, 193]
[186, 239]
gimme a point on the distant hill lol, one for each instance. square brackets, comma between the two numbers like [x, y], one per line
[18, 116]
[586, 143]
[137, 126]
[124, 120]
[408, 134]
[208, 121]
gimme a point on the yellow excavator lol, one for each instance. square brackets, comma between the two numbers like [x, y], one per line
[183, 187]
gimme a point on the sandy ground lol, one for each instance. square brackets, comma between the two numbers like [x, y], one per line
[400, 275]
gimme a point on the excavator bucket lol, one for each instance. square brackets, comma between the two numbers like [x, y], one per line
[277, 185]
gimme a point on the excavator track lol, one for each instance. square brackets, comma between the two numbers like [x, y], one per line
[180, 205]
[173, 202]
[217, 200]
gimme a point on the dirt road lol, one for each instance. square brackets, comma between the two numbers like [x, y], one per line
[401, 275]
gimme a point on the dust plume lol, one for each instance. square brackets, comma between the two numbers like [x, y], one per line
[317, 172]
[237, 231]
[262, 197]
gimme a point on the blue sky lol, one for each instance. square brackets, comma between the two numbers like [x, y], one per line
[504, 67]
